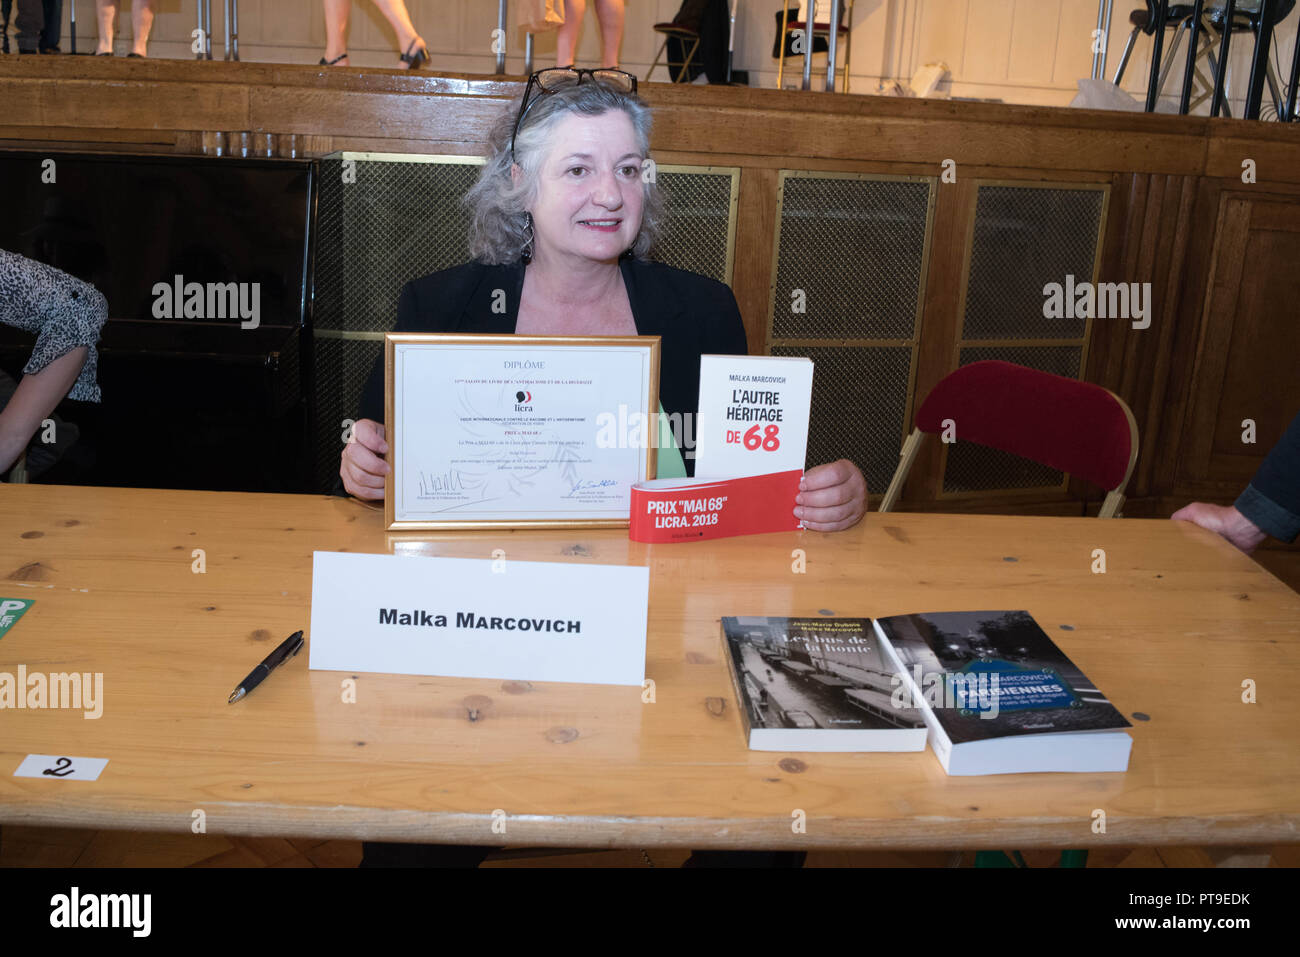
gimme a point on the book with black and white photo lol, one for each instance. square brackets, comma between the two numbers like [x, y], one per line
[999, 696]
[817, 684]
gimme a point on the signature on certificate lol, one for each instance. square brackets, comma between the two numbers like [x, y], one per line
[583, 485]
[448, 481]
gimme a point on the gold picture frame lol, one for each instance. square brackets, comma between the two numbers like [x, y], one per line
[645, 390]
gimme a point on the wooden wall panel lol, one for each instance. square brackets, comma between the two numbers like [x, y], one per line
[1168, 440]
[940, 321]
[752, 277]
[1033, 56]
[112, 93]
[1264, 319]
[986, 52]
[1148, 237]
[1179, 215]
[1247, 365]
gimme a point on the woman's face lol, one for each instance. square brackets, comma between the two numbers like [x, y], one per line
[589, 190]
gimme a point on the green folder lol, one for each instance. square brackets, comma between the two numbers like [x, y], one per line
[669, 463]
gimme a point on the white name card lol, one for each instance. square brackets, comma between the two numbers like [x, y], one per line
[472, 618]
[61, 766]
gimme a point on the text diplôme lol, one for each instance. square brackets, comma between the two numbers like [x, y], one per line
[466, 619]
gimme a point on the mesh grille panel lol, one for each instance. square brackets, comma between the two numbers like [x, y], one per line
[697, 224]
[974, 467]
[856, 248]
[397, 222]
[1058, 360]
[1025, 238]
[858, 402]
[342, 367]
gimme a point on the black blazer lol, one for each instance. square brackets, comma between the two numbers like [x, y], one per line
[692, 314]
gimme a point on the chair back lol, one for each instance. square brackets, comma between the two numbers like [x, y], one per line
[1072, 426]
[691, 15]
[1150, 27]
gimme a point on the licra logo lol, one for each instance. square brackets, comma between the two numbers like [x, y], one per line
[522, 400]
[103, 910]
[1105, 300]
[84, 691]
[215, 300]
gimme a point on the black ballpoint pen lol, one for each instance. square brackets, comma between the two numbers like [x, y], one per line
[288, 648]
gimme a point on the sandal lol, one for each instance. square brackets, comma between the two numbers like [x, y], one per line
[335, 61]
[415, 60]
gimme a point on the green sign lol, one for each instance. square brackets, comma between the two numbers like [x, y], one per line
[11, 609]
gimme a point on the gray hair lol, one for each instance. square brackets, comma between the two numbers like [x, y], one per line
[498, 229]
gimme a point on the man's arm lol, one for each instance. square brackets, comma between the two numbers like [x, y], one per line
[1270, 505]
[1272, 499]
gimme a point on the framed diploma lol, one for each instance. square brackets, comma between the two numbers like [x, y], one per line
[506, 431]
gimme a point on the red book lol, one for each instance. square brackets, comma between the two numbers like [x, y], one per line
[692, 510]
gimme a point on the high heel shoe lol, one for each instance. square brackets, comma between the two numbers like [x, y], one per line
[335, 61]
[415, 60]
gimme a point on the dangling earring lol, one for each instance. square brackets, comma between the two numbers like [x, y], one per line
[527, 253]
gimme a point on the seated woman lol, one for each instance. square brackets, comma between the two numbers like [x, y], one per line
[562, 221]
[67, 316]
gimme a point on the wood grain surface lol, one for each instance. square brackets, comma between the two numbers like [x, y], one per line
[1170, 631]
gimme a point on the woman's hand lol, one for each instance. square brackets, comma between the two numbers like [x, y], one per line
[831, 497]
[362, 468]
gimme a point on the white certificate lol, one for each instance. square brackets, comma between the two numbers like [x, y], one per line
[495, 431]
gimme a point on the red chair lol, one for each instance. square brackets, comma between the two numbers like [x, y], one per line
[1073, 426]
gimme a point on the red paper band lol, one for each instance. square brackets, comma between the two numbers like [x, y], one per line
[715, 508]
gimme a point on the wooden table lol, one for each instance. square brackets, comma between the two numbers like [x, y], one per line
[1170, 631]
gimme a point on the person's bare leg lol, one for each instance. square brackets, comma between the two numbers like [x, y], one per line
[141, 24]
[400, 20]
[610, 15]
[566, 37]
[35, 398]
[337, 13]
[106, 13]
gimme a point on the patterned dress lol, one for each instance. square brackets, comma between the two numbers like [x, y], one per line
[63, 311]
